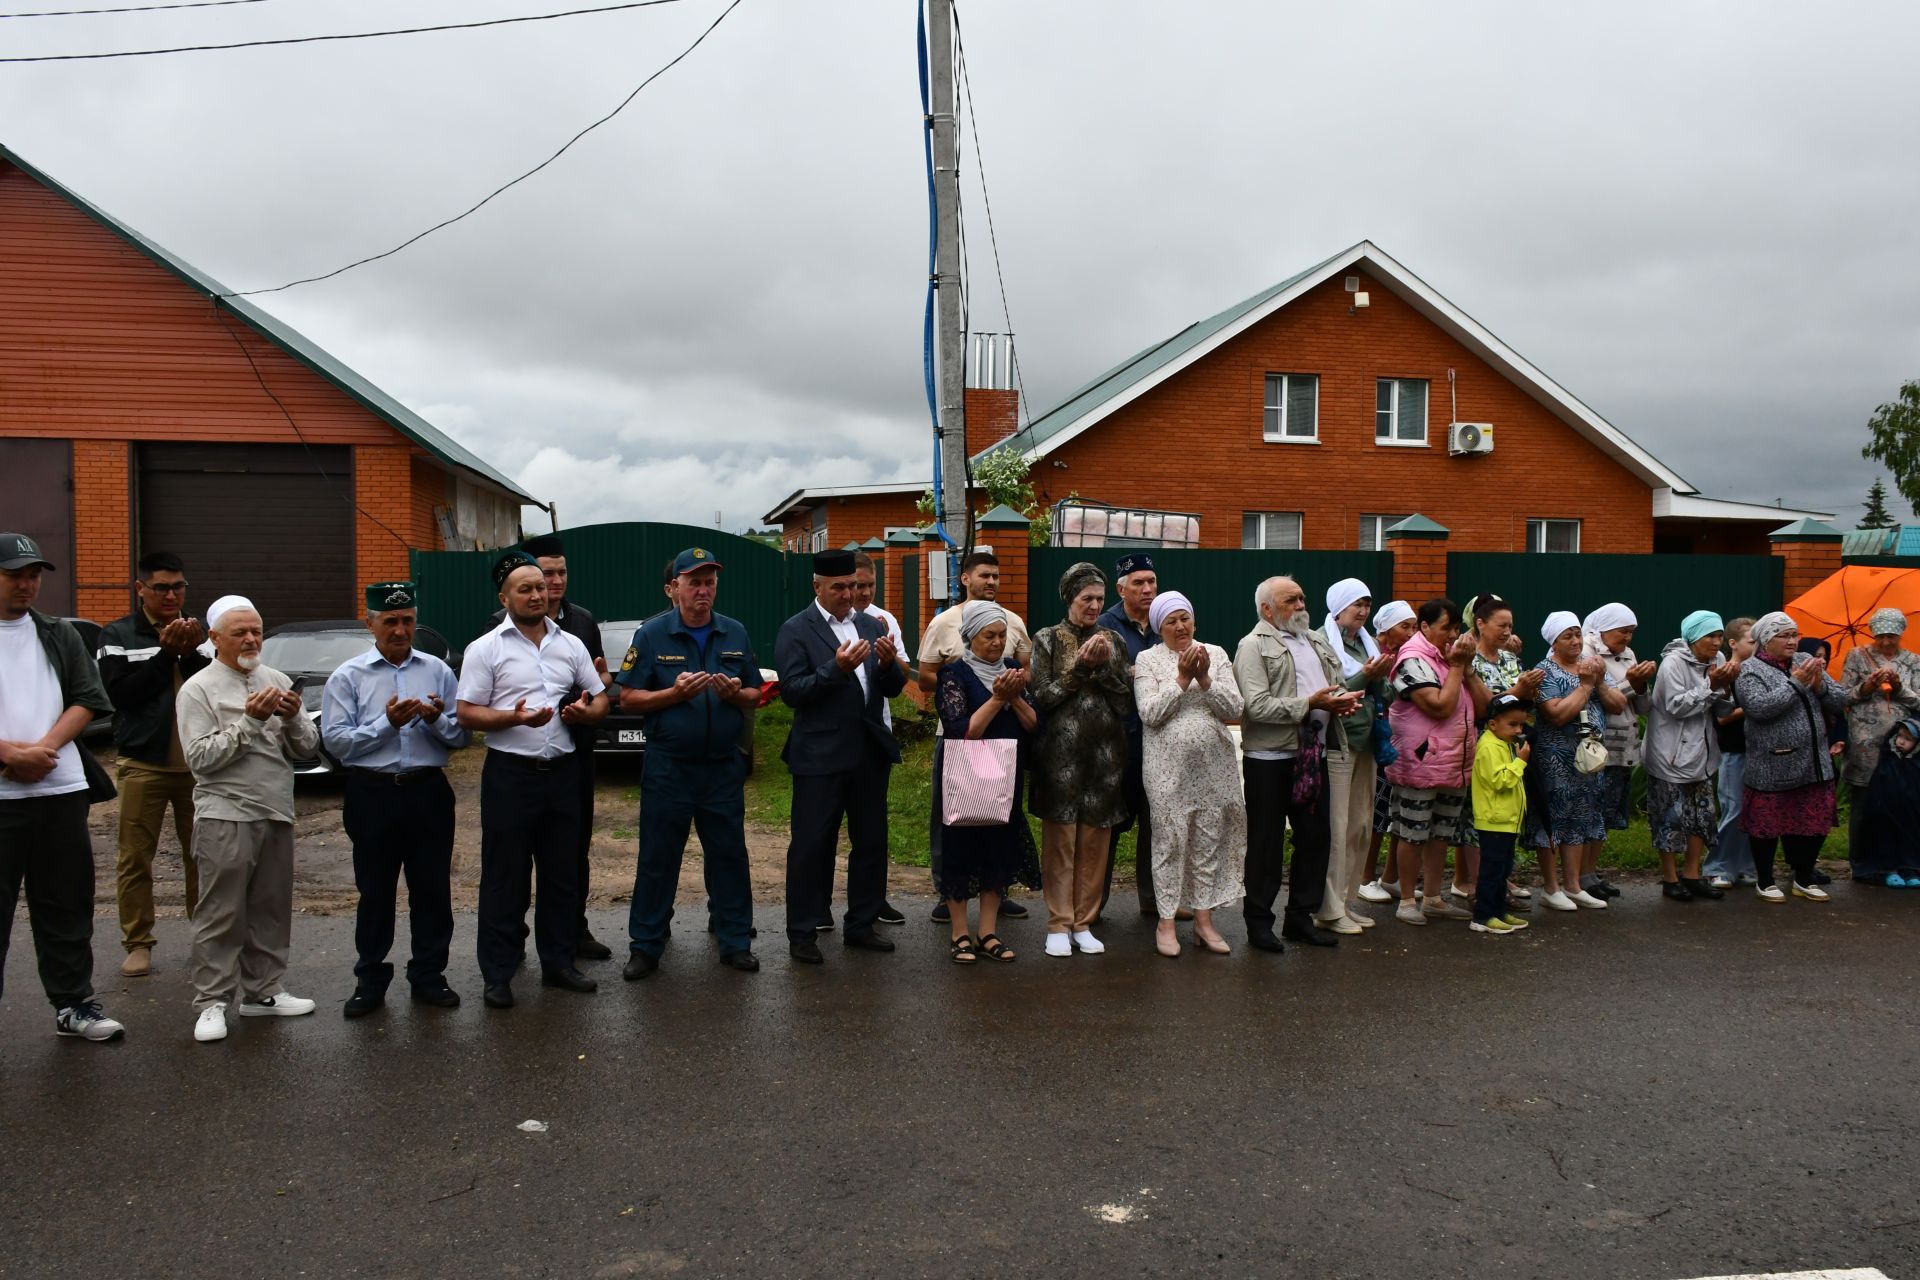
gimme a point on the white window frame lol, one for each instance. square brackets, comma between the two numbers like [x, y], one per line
[1392, 438]
[1383, 523]
[1300, 530]
[1282, 380]
[1537, 529]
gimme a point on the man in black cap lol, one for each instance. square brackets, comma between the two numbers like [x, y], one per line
[529, 791]
[836, 669]
[1137, 583]
[53, 691]
[690, 672]
[550, 553]
[388, 718]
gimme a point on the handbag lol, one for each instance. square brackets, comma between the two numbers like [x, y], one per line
[1310, 766]
[1591, 755]
[1384, 752]
[976, 781]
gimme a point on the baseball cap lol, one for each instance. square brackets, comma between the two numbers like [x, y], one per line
[694, 558]
[17, 551]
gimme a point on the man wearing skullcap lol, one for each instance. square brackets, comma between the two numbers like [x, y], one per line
[527, 684]
[388, 718]
[837, 666]
[1136, 583]
[241, 728]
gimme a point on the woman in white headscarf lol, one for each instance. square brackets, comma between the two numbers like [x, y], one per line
[1393, 622]
[1570, 819]
[1186, 696]
[1351, 770]
[1607, 634]
[1882, 681]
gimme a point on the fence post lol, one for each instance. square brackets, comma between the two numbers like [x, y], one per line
[1419, 548]
[900, 544]
[1811, 550]
[1005, 530]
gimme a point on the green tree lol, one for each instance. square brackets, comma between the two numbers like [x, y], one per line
[1894, 441]
[1877, 516]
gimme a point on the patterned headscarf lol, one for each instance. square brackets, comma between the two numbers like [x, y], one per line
[1770, 625]
[1888, 622]
[1076, 579]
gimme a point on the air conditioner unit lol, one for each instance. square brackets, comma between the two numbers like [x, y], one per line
[1469, 437]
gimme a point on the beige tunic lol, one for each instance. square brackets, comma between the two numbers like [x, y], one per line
[1192, 777]
[241, 768]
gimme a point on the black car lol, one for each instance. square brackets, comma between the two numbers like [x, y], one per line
[309, 652]
[619, 733]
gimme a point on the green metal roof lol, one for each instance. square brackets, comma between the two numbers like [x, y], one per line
[1806, 530]
[294, 343]
[1003, 517]
[1417, 526]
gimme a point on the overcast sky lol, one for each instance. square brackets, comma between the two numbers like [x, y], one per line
[1700, 219]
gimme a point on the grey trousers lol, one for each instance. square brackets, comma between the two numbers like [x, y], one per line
[243, 922]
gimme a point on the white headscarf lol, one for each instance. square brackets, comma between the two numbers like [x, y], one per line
[1390, 615]
[223, 606]
[1557, 621]
[1608, 617]
[1164, 605]
[1340, 596]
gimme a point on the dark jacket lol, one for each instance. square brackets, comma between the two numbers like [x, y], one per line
[704, 728]
[72, 665]
[1786, 727]
[832, 723]
[139, 678]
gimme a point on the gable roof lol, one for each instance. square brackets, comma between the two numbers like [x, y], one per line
[1147, 369]
[801, 498]
[292, 341]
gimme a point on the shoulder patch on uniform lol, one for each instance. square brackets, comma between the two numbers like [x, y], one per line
[633, 655]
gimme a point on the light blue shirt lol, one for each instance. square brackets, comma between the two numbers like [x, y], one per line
[353, 715]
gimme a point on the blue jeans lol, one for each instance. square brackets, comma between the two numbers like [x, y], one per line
[1496, 868]
[676, 796]
[1732, 855]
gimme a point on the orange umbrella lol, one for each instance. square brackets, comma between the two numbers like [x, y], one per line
[1839, 609]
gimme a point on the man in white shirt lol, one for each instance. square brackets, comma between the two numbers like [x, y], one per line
[238, 722]
[527, 685]
[49, 692]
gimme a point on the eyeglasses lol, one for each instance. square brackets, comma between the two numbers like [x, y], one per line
[165, 588]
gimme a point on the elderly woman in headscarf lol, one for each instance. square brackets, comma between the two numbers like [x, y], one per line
[1393, 622]
[1789, 785]
[983, 694]
[1682, 754]
[1563, 809]
[1882, 681]
[1352, 772]
[1084, 692]
[1607, 634]
[1185, 694]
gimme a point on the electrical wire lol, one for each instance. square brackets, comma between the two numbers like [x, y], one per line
[138, 8]
[476, 206]
[348, 35]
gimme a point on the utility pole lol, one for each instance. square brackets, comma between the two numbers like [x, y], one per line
[955, 512]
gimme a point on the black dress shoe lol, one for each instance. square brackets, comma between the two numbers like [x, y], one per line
[889, 914]
[1263, 940]
[868, 942]
[498, 995]
[1703, 888]
[588, 947]
[1676, 890]
[744, 961]
[1601, 889]
[941, 913]
[825, 926]
[806, 951]
[640, 965]
[568, 980]
[1312, 935]
[1821, 877]
[1011, 910]
[363, 1002]
[440, 997]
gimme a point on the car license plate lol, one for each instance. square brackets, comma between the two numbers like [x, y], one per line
[630, 736]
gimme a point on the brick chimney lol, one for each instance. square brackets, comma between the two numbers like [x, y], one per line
[993, 414]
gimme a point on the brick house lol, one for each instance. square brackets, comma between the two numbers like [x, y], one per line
[142, 409]
[1316, 414]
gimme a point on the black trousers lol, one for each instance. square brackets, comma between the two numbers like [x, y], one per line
[529, 825]
[820, 803]
[1142, 821]
[401, 823]
[1803, 855]
[583, 861]
[1270, 809]
[45, 847]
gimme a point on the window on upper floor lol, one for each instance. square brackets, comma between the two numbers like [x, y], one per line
[1270, 531]
[1373, 531]
[1400, 411]
[1293, 407]
[1553, 535]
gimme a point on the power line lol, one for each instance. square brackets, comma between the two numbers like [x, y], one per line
[349, 35]
[476, 206]
[139, 8]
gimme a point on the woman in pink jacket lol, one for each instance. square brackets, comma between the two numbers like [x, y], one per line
[1433, 687]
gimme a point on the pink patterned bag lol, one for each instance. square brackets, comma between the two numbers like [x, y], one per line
[976, 781]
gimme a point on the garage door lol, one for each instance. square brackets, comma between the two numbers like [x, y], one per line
[270, 522]
[40, 504]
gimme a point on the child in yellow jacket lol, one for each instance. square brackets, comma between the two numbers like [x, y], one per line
[1499, 805]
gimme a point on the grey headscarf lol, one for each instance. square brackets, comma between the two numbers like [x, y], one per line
[1076, 579]
[1771, 625]
[976, 616]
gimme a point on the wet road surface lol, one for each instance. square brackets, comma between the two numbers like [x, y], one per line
[1662, 1091]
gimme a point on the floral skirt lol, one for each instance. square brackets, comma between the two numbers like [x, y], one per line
[1573, 802]
[1679, 811]
[1804, 811]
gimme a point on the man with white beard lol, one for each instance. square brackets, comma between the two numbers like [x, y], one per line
[237, 721]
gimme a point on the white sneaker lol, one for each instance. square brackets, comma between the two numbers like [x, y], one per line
[1515, 891]
[1409, 913]
[1374, 891]
[1058, 944]
[1585, 899]
[87, 1022]
[1342, 925]
[1365, 922]
[283, 1005]
[1085, 940]
[1559, 901]
[212, 1024]
[1811, 892]
[1721, 882]
[1771, 893]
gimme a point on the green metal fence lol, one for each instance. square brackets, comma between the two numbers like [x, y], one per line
[618, 571]
[1660, 589]
[1220, 583]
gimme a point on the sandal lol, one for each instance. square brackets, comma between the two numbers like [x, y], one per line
[993, 949]
[963, 952]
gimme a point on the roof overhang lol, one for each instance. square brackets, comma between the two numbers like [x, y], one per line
[1669, 505]
[804, 499]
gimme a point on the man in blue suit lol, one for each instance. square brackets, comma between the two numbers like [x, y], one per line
[837, 669]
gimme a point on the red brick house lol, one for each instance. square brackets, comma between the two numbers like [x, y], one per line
[141, 409]
[1319, 412]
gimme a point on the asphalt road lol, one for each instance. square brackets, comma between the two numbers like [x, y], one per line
[1664, 1091]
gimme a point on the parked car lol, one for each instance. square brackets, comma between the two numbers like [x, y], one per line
[620, 733]
[100, 728]
[309, 652]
